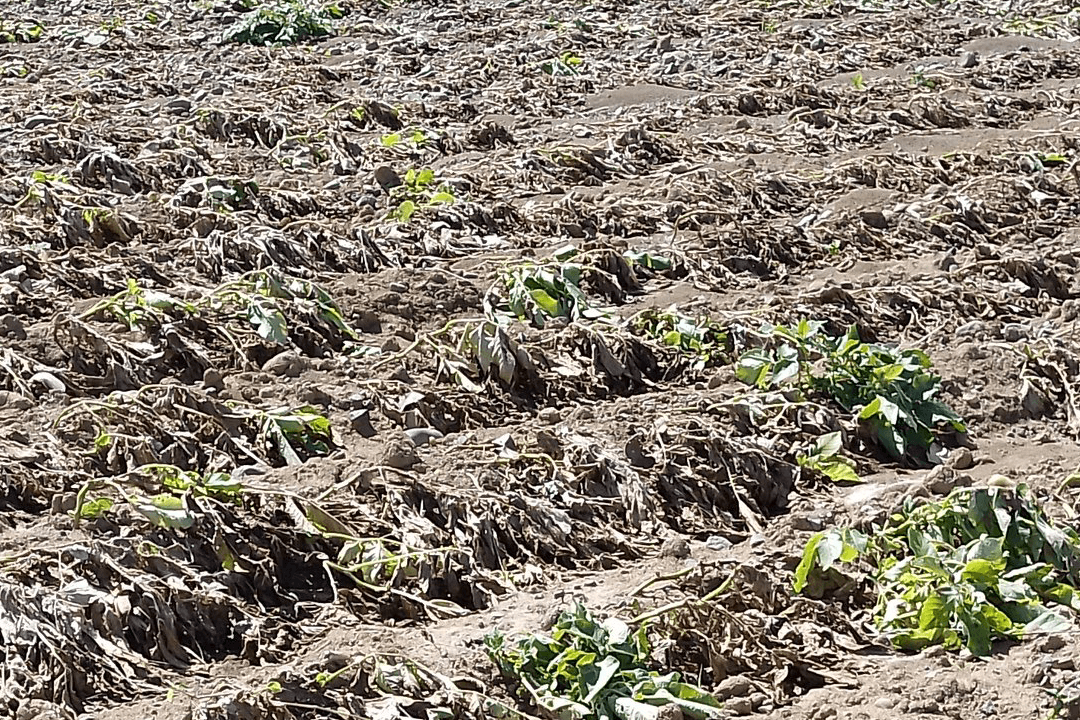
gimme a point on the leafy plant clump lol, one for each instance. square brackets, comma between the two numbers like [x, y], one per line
[20, 32]
[892, 392]
[283, 22]
[979, 565]
[700, 338]
[166, 508]
[297, 434]
[540, 293]
[825, 457]
[587, 669]
[262, 298]
[420, 189]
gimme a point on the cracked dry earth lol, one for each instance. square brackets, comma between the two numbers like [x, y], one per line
[202, 242]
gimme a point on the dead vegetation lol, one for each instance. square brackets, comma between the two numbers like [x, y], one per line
[387, 360]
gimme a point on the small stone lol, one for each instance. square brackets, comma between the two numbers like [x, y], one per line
[315, 396]
[423, 435]
[960, 459]
[969, 59]
[739, 706]
[63, 502]
[386, 177]
[734, 686]
[718, 542]
[286, 364]
[758, 699]
[675, 548]
[212, 380]
[885, 703]
[367, 321]
[1052, 643]
[549, 416]
[11, 325]
[971, 329]
[400, 454]
[757, 539]
[1014, 332]
[875, 219]
[812, 523]
[15, 401]
[398, 287]
[940, 480]
[715, 381]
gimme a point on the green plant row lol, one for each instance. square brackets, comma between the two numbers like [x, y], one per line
[978, 565]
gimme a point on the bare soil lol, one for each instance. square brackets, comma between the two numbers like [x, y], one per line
[905, 166]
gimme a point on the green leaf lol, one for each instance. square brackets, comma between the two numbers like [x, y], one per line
[983, 572]
[828, 445]
[871, 409]
[838, 471]
[405, 210]
[607, 669]
[95, 508]
[165, 511]
[753, 367]
[548, 304]
[934, 613]
[1047, 623]
[267, 320]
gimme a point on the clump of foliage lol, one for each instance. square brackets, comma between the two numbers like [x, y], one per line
[700, 338]
[825, 457]
[139, 308]
[566, 64]
[262, 294]
[20, 32]
[540, 293]
[586, 669]
[892, 392]
[283, 22]
[978, 565]
[297, 434]
[260, 297]
[164, 509]
[420, 189]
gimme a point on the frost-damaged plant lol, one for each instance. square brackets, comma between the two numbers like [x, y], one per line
[139, 308]
[587, 669]
[283, 22]
[258, 293]
[981, 564]
[20, 32]
[542, 291]
[296, 434]
[164, 509]
[892, 392]
[700, 338]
